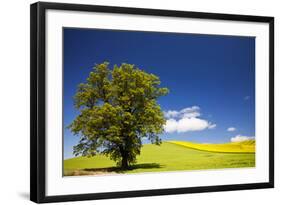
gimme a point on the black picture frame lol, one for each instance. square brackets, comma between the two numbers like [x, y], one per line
[38, 101]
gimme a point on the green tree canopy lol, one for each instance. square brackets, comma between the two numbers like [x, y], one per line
[117, 108]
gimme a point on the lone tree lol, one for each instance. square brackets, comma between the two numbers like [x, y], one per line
[117, 109]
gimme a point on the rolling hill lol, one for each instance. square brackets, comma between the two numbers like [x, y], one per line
[247, 146]
[170, 156]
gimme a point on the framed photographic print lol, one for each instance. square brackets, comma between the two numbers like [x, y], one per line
[129, 102]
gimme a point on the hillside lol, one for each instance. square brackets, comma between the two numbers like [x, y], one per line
[167, 157]
[233, 147]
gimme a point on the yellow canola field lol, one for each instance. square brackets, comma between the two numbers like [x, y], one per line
[232, 147]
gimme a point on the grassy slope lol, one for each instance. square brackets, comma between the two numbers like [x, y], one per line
[234, 147]
[167, 157]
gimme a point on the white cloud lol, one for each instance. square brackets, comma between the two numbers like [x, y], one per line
[171, 125]
[191, 124]
[171, 114]
[186, 120]
[240, 138]
[231, 129]
[184, 113]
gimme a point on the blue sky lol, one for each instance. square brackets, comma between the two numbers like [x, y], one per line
[211, 79]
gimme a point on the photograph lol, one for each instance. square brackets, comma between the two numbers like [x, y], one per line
[134, 102]
[137, 102]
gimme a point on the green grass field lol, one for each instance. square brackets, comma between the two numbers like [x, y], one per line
[170, 156]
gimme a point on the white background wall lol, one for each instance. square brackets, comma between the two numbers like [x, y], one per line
[14, 100]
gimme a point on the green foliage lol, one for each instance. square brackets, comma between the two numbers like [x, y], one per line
[117, 108]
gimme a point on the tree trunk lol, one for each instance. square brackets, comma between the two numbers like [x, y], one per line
[124, 162]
